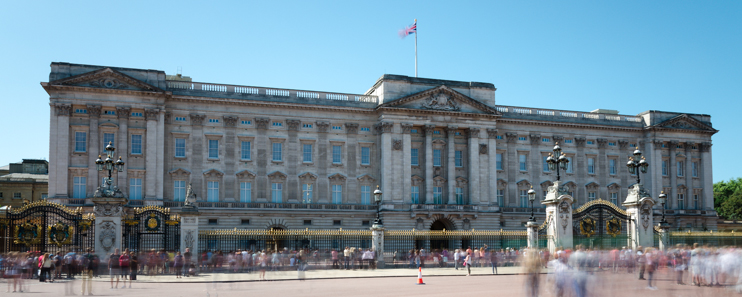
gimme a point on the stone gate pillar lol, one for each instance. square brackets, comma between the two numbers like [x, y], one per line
[639, 208]
[664, 236]
[189, 226]
[532, 228]
[109, 212]
[377, 242]
[558, 217]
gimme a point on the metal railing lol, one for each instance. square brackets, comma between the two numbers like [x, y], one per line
[705, 237]
[274, 239]
[249, 90]
[270, 205]
[569, 114]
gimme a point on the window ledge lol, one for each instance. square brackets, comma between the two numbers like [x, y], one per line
[337, 164]
[276, 162]
[135, 155]
[245, 160]
[212, 159]
[307, 163]
[181, 158]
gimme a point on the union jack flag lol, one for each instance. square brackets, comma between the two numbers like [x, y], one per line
[407, 31]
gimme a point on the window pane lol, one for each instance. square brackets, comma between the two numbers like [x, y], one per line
[135, 189]
[569, 165]
[365, 156]
[78, 188]
[499, 161]
[136, 144]
[590, 165]
[277, 154]
[245, 152]
[213, 149]
[436, 157]
[307, 149]
[437, 195]
[212, 191]
[81, 141]
[277, 193]
[306, 191]
[459, 160]
[545, 164]
[612, 166]
[180, 147]
[337, 194]
[414, 157]
[522, 162]
[501, 197]
[337, 155]
[108, 138]
[415, 195]
[245, 192]
[365, 194]
[179, 190]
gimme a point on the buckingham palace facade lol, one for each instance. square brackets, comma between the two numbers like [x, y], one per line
[443, 152]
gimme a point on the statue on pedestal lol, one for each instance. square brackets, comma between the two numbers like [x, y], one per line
[107, 189]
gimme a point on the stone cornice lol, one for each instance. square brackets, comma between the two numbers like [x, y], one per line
[437, 112]
[50, 88]
[282, 105]
[567, 125]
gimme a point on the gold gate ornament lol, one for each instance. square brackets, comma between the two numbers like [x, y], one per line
[27, 234]
[613, 227]
[61, 234]
[587, 227]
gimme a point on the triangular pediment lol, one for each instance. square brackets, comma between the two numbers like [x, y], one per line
[106, 78]
[441, 99]
[685, 122]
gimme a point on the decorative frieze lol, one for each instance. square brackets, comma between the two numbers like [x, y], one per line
[384, 127]
[230, 121]
[94, 111]
[63, 109]
[123, 112]
[262, 123]
[152, 114]
[688, 146]
[197, 119]
[351, 128]
[557, 138]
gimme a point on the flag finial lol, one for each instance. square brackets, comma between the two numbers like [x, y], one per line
[415, 20]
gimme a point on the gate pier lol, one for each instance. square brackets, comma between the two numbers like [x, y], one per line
[639, 209]
[108, 214]
[189, 225]
[558, 217]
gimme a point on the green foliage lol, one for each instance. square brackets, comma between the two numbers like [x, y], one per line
[723, 190]
[732, 206]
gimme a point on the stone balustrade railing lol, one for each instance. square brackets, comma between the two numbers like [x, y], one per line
[568, 114]
[208, 87]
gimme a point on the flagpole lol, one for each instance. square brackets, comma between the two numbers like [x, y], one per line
[415, 47]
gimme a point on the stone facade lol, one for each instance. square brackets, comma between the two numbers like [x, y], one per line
[439, 150]
[24, 183]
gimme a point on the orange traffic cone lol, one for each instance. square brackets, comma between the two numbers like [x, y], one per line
[420, 276]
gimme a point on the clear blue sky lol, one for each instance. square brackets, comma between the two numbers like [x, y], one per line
[631, 56]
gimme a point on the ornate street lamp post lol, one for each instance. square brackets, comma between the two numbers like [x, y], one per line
[107, 189]
[637, 164]
[557, 161]
[377, 199]
[531, 198]
[663, 200]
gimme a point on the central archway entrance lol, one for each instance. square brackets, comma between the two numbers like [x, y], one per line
[438, 241]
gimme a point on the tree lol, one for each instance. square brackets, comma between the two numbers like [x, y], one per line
[732, 206]
[723, 190]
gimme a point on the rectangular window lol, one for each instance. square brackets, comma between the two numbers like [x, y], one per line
[695, 201]
[337, 222]
[590, 196]
[135, 188]
[80, 110]
[17, 195]
[614, 198]
[277, 192]
[436, 157]
[366, 129]
[277, 124]
[109, 112]
[591, 165]
[499, 162]
[498, 137]
[437, 132]
[611, 144]
[212, 191]
[213, 222]
[501, 197]
[180, 119]
[307, 153]
[459, 159]
[694, 168]
[415, 195]
[179, 190]
[307, 126]
[180, 147]
[245, 192]
[522, 138]
[522, 162]
[245, 222]
[545, 164]
[213, 149]
[213, 120]
[437, 195]
[366, 195]
[568, 141]
[307, 222]
[43, 196]
[460, 196]
[590, 142]
[612, 166]
[277, 155]
[681, 201]
[246, 150]
[337, 127]
[414, 155]
[365, 223]
[523, 198]
[569, 165]
[337, 194]
[337, 154]
[81, 142]
[664, 168]
[680, 168]
[306, 193]
[246, 122]
[108, 138]
[136, 144]
[78, 187]
[545, 140]
[137, 114]
[365, 156]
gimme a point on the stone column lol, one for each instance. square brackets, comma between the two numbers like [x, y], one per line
[108, 229]
[473, 165]
[377, 242]
[492, 166]
[150, 188]
[197, 158]
[673, 174]
[532, 228]
[558, 204]
[451, 176]
[707, 199]
[407, 162]
[230, 160]
[664, 236]
[53, 138]
[189, 231]
[688, 174]
[623, 173]
[122, 147]
[580, 170]
[655, 168]
[94, 149]
[512, 169]
[59, 151]
[639, 209]
[385, 129]
[323, 184]
[602, 169]
[353, 190]
[160, 178]
[428, 163]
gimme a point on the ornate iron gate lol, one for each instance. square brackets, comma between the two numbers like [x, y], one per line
[151, 227]
[600, 224]
[46, 227]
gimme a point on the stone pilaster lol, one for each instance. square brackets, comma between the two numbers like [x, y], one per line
[109, 213]
[94, 149]
[707, 202]
[655, 168]
[672, 197]
[428, 164]
[61, 150]
[353, 189]
[197, 158]
[407, 162]
[532, 234]
[385, 131]
[160, 183]
[122, 147]
[558, 204]
[580, 170]
[473, 165]
[639, 209]
[323, 150]
[688, 174]
[511, 168]
[602, 169]
[492, 166]
[451, 176]
[230, 159]
[150, 157]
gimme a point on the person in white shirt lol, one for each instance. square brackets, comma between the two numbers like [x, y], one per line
[456, 257]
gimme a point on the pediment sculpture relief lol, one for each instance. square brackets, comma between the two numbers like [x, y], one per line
[440, 101]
